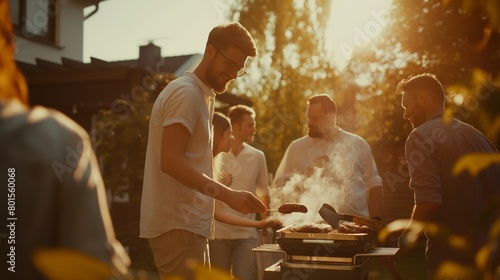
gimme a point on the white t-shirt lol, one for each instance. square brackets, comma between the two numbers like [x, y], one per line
[249, 171]
[166, 203]
[347, 178]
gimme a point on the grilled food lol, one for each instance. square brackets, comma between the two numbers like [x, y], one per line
[350, 227]
[288, 208]
[312, 228]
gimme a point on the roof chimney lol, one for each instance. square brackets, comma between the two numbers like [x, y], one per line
[149, 56]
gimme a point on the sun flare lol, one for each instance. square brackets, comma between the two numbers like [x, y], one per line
[353, 24]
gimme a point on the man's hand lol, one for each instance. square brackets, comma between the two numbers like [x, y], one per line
[226, 179]
[268, 223]
[244, 202]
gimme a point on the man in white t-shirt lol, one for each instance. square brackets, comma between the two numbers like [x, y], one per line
[348, 177]
[232, 246]
[178, 190]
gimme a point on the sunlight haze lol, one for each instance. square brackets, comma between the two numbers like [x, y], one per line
[119, 27]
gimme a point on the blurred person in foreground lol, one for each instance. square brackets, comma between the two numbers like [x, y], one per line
[54, 180]
[177, 206]
[453, 201]
[345, 161]
[231, 248]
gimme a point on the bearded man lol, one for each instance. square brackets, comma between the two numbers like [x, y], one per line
[343, 160]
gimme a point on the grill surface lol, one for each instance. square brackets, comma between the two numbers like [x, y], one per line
[289, 233]
[331, 244]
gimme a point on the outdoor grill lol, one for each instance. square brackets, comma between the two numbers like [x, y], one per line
[322, 255]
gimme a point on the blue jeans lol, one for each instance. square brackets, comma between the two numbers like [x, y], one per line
[235, 252]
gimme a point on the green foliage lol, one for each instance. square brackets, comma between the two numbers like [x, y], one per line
[120, 140]
[120, 137]
[446, 37]
[459, 45]
[291, 66]
[122, 149]
[484, 257]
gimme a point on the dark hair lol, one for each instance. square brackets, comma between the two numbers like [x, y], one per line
[221, 123]
[232, 34]
[423, 82]
[326, 102]
[237, 112]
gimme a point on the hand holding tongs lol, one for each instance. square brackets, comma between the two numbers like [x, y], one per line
[330, 215]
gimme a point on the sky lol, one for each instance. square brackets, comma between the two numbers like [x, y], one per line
[119, 27]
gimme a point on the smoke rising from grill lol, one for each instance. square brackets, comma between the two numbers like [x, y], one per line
[325, 182]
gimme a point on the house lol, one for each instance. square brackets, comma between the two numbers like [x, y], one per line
[49, 52]
[49, 29]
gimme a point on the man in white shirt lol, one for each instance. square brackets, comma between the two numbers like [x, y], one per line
[178, 191]
[233, 245]
[349, 178]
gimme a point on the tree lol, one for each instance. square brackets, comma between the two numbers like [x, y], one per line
[291, 66]
[120, 140]
[421, 36]
[456, 40]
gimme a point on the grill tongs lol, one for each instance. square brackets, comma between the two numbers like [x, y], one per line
[330, 215]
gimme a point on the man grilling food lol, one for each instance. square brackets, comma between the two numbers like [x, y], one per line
[330, 165]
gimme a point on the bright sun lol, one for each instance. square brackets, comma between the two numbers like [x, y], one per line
[353, 23]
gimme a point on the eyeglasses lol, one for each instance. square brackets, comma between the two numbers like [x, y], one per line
[232, 65]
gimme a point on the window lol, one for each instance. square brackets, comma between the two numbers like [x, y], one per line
[35, 19]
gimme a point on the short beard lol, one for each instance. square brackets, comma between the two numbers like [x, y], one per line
[315, 133]
[212, 80]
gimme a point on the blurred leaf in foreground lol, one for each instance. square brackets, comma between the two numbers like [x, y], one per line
[449, 270]
[416, 228]
[202, 272]
[175, 277]
[63, 264]
[485, 257]
[475, 163]
[393, 227]
[412, 232]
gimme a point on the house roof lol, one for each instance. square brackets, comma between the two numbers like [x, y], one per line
[172, 64]
[95, 85]
[45, 72]
[69, 71]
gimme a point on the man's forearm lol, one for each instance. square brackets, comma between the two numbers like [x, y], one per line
[266, 200]
[181, 170]
[242, 201]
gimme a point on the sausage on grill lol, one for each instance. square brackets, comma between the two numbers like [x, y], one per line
[288, 208]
